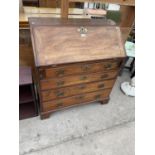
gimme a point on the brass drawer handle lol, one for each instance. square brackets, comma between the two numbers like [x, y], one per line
[41, 73]
[79, 97]
[59, 104]
[41, 76]
[59, 93]
[82, 86]
[60, 83]
[83, 77]
[107, 66]
[60, 72]
[101, 85]
[85, 67]
[104, 76]
[97, 97]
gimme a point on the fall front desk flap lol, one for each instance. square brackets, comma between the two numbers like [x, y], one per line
[60, 43]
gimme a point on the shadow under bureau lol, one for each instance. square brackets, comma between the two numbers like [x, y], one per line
[77, 61]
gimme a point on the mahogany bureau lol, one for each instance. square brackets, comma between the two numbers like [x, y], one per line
[77, 61]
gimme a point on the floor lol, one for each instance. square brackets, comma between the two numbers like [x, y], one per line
[92, 129]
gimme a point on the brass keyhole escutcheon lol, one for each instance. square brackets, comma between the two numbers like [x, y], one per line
[85, 67]
[80, 97]
[83, 31]
[60, 83]
[101, 86]
[59, 104]
[104, 76]
[60, 72]
[83, 77]
[107, 66]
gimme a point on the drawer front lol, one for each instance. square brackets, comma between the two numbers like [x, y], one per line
[78, 69]
[77, 89]
[69, 101]
[76, 79]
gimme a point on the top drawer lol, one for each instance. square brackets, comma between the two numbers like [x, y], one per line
[60, 71]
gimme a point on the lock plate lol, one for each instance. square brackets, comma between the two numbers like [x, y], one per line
[83, 31]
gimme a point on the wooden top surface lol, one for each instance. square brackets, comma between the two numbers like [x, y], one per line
[25, 75]
[60, 42]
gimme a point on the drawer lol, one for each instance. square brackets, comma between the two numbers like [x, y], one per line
[82, 98]
[75, 90]
[75, 79]
[81, 68]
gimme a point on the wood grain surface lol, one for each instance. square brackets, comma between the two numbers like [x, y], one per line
[79, 68]
[76, 89]
[71, 69]
[58, 45]
[75, 79]
[78, 99]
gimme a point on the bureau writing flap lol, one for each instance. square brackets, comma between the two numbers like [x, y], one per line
[66, 44]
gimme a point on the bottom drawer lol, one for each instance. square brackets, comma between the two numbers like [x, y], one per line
[68, 101]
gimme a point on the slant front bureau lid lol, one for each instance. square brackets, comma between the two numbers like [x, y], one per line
[70, 43]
